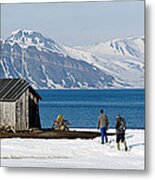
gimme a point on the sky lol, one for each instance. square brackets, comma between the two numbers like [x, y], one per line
[78, 23]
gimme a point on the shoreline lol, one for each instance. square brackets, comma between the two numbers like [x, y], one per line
[75, 153]
[73, 133]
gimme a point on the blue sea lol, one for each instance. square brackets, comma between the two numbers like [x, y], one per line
[82, 107]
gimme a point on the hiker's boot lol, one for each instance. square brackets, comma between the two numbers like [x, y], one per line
[106, 139]
[118, 146]
[126, 148]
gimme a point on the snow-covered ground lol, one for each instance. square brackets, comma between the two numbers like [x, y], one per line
[78, 153]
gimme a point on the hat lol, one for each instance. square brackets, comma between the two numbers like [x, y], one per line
[118, 115]
[101, 111]
[60, 117]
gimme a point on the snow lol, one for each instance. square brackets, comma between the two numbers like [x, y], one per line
[29, 76]
[78, 54]
[24, 37]
[49, 81]
[5, 69]
[129, 47]
[63, 82]
[126, 69]
[76, 153]
[120, 58]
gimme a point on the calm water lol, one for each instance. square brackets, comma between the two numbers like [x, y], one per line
[82, 107]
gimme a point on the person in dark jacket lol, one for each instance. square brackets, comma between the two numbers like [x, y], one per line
[120, 131]
[103, 125]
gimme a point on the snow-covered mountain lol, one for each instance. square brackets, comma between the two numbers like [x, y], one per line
[131, 47]
[115, 64]
[120, 58]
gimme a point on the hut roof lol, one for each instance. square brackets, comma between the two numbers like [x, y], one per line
[12, 89]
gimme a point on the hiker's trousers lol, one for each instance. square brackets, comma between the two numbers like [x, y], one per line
[103, 135]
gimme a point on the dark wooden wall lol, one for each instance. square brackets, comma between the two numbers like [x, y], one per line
[22, 114]
[34, 117]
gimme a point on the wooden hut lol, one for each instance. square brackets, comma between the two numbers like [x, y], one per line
[19, 105]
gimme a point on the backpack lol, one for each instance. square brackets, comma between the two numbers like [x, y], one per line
[121, 126]
[107, 122]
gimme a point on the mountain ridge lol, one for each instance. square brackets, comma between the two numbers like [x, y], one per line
[49, 65]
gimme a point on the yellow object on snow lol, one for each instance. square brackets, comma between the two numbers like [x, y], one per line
[60, 117]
